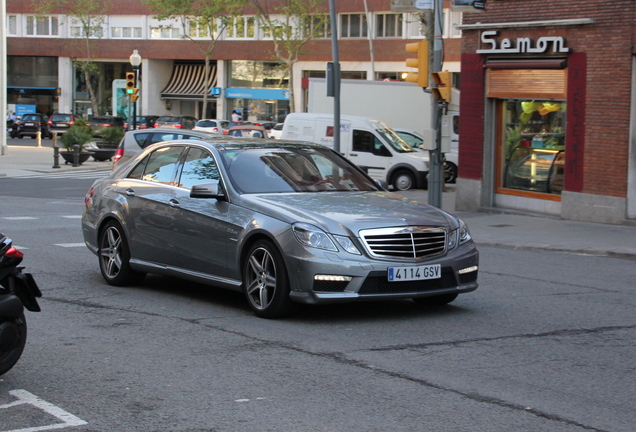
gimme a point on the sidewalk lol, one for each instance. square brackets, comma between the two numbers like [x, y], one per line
[497, 229]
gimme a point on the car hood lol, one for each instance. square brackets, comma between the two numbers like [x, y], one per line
[345, 212]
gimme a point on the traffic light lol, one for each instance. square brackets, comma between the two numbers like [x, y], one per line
[135, 95]
[130, 83]
[443, 91]
[421, 63]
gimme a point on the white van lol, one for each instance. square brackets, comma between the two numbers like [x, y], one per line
[367, 143]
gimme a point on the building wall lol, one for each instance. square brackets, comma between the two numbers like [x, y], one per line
[609, 45]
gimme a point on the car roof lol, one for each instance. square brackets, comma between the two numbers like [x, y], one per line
[174, 131]
[248, 127]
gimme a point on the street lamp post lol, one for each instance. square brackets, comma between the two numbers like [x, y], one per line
[135, 61]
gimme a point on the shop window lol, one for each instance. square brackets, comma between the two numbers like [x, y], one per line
[42, 25]
[353, 26]
[388, 25]
[532, 155]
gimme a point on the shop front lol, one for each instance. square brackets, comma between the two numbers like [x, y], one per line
[523, 121]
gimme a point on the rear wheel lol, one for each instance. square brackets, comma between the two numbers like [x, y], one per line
[439, 300]
[450, 172]
[114, 257]
[266, 282]
[403, 180]
[14, 333]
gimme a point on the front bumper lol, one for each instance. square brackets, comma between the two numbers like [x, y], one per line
[369, 281]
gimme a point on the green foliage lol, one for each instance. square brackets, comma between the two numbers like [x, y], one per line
[80, 133]
[111, 136]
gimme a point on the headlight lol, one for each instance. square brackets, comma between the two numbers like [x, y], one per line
[311, 236]
[347, 244]
[459, 236]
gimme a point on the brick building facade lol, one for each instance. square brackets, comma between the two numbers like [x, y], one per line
[547, 109]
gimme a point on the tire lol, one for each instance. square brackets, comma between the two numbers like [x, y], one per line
[439, 300]
[9, 358]
[265, 281]
[450, 172]
[403, 180]
[114, 257]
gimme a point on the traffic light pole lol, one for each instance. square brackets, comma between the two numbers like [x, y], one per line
[436, 164]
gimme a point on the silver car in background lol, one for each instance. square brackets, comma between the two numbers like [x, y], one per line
[281, 221]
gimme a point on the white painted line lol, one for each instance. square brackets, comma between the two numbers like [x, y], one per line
[70, 245]
[73, 217]
[24, 397]
[20, 247]
[19, 218]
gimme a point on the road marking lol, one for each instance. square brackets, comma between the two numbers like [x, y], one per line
[73, 217]
[70, 245]
[24, 397]
[19, 218]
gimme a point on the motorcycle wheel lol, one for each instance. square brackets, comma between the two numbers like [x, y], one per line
[9, 358]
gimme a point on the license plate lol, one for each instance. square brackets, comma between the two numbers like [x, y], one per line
[401, 274]
[28, 124]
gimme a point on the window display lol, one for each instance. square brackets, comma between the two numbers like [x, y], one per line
[533, 146]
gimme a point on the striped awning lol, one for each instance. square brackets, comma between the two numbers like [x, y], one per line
[188, 82]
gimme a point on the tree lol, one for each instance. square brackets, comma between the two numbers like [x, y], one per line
[291, 24]
[202, 22]
[86, 19]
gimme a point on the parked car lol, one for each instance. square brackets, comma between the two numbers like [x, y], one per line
[212, 125]
[451, 163]
[281, 221]
[100, 122]
[59, 123]
[31, 123]
[135, 141]
[179, 122]
[248, 131]
[143, 121]
[276, 131]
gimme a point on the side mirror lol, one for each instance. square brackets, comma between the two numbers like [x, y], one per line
[207, 190]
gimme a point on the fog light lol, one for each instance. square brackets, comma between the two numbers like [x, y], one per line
[332, 278]
[468, 270]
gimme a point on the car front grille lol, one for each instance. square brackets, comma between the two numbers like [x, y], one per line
[405, 242]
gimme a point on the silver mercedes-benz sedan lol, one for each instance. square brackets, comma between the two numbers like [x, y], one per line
[284, 222]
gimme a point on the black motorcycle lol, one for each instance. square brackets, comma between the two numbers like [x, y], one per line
[14, 128]
[18, 291]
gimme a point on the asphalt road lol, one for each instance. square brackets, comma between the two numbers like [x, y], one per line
[545, 344]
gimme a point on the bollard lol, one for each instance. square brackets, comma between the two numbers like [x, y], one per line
[38, 138]
[76, 155]
[54, 138]
[56, 156]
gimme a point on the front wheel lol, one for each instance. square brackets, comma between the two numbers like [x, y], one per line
[114, 257]
[404, 180]
[14, 335]
[266, 282]
[450, 172]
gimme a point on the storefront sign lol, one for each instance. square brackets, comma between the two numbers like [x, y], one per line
[521, 45]
[249, 93]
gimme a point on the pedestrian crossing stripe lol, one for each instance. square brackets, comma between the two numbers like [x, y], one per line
[16, 218]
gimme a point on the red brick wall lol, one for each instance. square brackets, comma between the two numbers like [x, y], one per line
[608, 45]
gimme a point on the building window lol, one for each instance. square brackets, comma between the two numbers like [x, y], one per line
[320, 26]
[12, 25]
[243, 28]
[353, 26]
[42, 25]
[80, 32]
[532, 149]
[165, 32]
[388, 25]
[202, 30]
[125, 32]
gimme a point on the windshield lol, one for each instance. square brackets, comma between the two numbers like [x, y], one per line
[394, 140]
[292, 169]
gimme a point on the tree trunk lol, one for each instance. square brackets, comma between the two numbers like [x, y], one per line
[206, 91]
[91, 92]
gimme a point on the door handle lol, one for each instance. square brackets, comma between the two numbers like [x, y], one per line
[174, 203]
[130, 192]
[353, 154]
